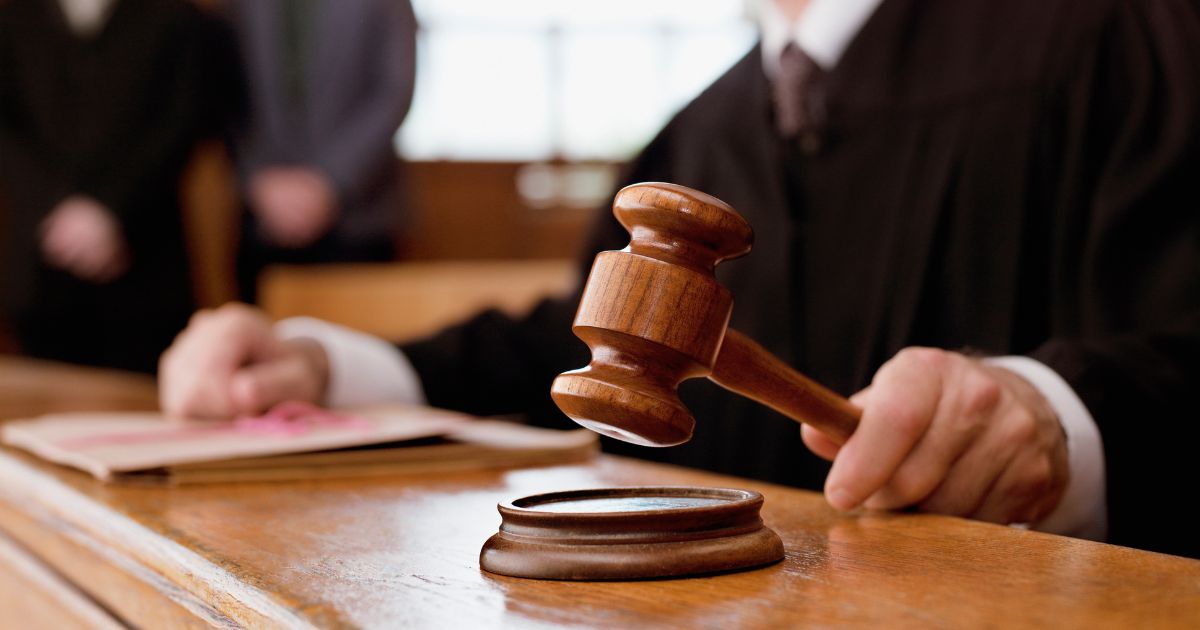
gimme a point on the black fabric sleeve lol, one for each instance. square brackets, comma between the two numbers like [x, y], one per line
[494, 364]
[1132, 348]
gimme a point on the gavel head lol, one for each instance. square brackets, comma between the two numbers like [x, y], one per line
[653, 314]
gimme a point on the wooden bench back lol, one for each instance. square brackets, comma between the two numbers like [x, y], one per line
[406, 300]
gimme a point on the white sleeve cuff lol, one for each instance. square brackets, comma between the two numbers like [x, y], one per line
[1083, 510]
[363, 370]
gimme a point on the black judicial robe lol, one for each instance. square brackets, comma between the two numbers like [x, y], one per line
[1007, 177]
[115, 118]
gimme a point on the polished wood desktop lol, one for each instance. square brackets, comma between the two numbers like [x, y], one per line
[404, 551]
[29, 387]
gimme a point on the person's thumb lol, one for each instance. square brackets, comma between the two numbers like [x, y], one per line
[258, 387]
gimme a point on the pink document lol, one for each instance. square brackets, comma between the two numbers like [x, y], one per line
[293, 440]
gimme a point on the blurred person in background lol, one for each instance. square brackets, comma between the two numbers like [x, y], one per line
[328, 84]
[99, 111]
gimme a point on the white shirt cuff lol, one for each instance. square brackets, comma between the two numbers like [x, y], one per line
[1083, 510]
[363, 369]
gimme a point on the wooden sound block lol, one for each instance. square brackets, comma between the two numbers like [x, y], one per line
[630, 533]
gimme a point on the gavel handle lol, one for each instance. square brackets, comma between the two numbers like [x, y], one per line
[746, 368]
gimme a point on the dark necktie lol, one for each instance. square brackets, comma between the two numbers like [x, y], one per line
[799, 97]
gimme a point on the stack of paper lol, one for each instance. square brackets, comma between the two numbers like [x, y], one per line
[145, 447]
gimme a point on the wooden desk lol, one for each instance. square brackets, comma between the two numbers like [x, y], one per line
[404, 551]
[29, 387]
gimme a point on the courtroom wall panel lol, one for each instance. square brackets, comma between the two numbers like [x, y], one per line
[478, 210]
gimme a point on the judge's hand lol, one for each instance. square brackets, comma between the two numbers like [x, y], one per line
[228, 363]
[82, 237]
[952, 435]
[295, 205]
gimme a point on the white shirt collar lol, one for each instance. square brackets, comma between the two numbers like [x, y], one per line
[823, 31]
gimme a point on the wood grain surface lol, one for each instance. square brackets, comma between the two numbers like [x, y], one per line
[745, 367]
[35, 597]
[404, 551]
[30, 387]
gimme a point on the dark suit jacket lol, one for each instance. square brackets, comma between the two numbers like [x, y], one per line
[115, 118]
[1009, 177]
[359, 72]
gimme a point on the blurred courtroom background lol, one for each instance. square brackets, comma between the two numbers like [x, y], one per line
[534, 101]
[523, 112]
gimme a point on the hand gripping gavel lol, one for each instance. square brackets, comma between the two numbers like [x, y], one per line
[654, 315]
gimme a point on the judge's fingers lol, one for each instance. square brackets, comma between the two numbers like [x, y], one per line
[822, 445]
[1025, 492]
[186, 392]
[970, 398]
[819, 443]
[195, 372]
[231, 336]
[897, 412]
[976, 476]
[257, 387]
[1036, 477]
[969, 480]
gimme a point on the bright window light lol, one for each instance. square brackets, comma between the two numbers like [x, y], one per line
[531, 80]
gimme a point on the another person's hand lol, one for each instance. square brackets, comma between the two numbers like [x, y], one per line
[228, 362]
[82, 237]
[295, 205]
[952, 435]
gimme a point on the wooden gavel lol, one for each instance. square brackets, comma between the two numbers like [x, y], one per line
[653, 315]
